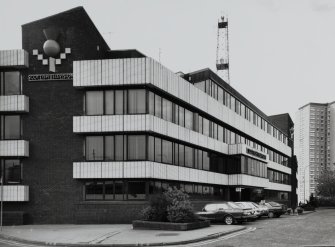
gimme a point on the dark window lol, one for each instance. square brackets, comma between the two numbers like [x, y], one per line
[109, 190]
[136, 101]
[94, 148]
[206, 162]
[94, 191]
[109, 102]
[12, 83]
[200, 85]
[94, 103]
[151, 103]
[181, 155]
[12, 171]
[205, 127]
[158, 106]
[167, 110]
[109, 148]
[136, 147]
[158, 149]
[188, 119]
[12, 126]
[189, 157]
[119, 102]
[119, 190]
[167, 152]
[182, 116]
[151, 148]
[136, 190]
[119, 147]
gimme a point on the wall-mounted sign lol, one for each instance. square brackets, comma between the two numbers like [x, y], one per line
[256, 154]
[238, 189]
[51, 77]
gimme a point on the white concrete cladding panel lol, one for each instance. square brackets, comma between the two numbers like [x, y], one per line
[247, 180]
[14, 148]
[280, 187]
[14, 103]
[14, 59]
[129, 123]
[15, 193]
[145, 169]
[154, 73]
[279, 167]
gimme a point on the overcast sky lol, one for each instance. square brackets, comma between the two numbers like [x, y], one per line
[282, 52]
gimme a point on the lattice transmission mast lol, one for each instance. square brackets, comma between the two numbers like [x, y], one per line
[222, 50]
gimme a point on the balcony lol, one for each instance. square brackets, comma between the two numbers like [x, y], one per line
[14, 148]
[14, 103]
[16, 59]
[15, 193]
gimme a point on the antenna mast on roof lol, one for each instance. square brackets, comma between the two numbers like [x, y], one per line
[222, 50]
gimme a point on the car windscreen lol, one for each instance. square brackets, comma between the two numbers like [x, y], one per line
[210, 207]
[274, 204]
[222, 206]
[233, 205]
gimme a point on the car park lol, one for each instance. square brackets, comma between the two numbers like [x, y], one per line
[227, 212]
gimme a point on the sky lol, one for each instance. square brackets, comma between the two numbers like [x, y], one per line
[281, 52]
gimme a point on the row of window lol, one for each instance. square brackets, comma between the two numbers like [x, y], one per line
[278, 177]
[10, 83]
[10, 127]
[141, 101]
[140, 190]
[143, 147]
[11, 170]
[225, 98]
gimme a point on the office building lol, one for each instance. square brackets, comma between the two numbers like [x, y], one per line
[89, 133]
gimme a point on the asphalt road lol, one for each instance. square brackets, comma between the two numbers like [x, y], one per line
[314, 229]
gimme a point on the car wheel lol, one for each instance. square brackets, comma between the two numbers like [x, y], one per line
[228, 220]
[271, 215]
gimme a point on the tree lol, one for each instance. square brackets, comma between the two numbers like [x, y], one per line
[326, 184]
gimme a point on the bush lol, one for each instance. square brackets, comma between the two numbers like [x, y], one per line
[180, 209]
[171, 206]
[157, 209]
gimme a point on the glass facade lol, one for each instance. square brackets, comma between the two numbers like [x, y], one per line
[133, 101]
[278, 177]
[151, 148]
[214, 90]
[110, 190]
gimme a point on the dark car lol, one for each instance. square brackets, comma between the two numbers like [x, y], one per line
[275, 209]
[227, 212]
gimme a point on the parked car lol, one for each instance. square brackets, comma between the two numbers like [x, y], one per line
[227, 212]
[275, 209]
[248, 207]
[263, 209]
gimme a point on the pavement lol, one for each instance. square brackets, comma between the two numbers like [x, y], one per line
[110, 235]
